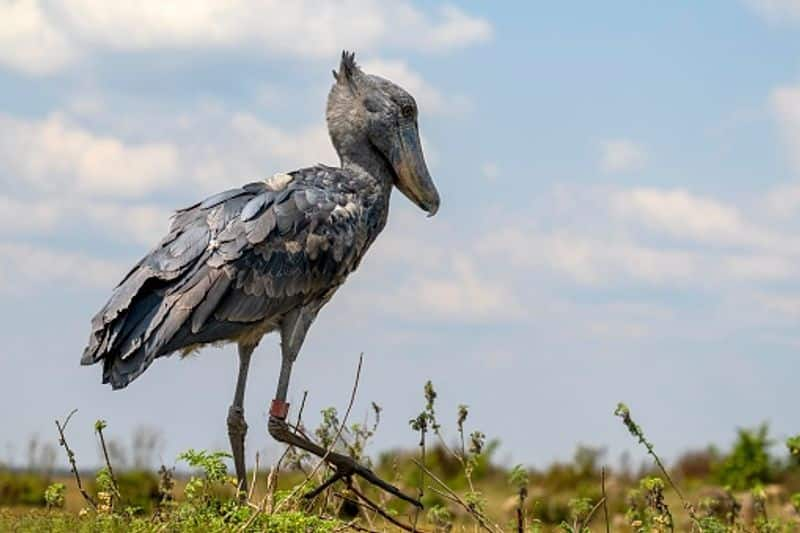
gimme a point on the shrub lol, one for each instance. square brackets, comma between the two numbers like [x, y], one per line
[749, 462]
[697, 464]
[54, 495]
[139, 489]
[21, 488]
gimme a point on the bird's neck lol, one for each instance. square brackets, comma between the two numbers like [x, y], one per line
[365, 161]
[376, 178]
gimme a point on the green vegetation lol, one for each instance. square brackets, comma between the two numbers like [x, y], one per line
[749, 488]
[749, 463]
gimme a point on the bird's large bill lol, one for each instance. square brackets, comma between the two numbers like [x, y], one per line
[413, 178]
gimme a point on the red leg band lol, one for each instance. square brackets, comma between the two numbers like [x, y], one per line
[279, 409]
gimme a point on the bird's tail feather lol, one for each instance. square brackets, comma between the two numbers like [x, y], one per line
[145, 318]
[119, 330]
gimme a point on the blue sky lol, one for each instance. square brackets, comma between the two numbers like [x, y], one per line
[620, 190]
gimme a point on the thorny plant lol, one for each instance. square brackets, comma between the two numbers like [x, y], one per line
[723, 507]
[473, 502]
[207, 503]
[582, 512]
[624, 413]
[647, 509]
[108, 488]
[54, 495]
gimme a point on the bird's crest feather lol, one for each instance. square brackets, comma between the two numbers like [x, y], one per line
[349, 72]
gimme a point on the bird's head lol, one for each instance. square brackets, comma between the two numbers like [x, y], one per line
[372, 110]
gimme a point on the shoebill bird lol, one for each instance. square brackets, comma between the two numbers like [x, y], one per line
[267, 256]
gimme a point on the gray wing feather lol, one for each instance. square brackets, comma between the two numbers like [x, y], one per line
[258, 229]
[231, 261]
[221, 197]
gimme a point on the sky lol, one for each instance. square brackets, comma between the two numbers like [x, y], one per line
[620, 188]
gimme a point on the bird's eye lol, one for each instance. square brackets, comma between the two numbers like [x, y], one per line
[407, 110]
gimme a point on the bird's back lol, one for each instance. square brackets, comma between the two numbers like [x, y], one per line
[233, 265]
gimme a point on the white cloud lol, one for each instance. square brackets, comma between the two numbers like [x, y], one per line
[304, 28]
[454, 29]
[629, 248]
[143, 224]
[463, 295]
[54, 155]
[681, 214]
[429, 278]
[781, 303]
[41, 37]
[298, 148]
[29, 41]
[622, 155]
[783, 200]
[589, 260]
[208, 148]
[759, 267]
[26, 265]
[63, 175]
[777, 10]
[785, 103]
[430, 99]
[220, 149]
[17, 217]
[518, 265]
[55, 215]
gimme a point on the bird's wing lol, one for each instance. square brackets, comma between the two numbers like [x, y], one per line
[227, 263]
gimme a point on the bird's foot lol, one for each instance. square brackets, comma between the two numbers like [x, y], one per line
[346, 467]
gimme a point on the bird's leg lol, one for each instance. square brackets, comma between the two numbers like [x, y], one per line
[237, 427]
[292, 337]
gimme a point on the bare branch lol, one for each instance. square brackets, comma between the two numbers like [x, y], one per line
[62, 441]
[477, 515]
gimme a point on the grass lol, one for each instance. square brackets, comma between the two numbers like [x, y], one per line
[747, 489]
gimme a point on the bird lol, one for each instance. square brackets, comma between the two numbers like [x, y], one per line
[267, 256]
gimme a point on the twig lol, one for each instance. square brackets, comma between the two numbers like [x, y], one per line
[255, 476]
[605, 498]
[444, 495]
[258, 509]
[354, 487]
[302, 407]
[352, 525]
[378, 509]
[99, 426]
[271, 483]
[322, 460]
[589, 516]
[624, 413]
[478, 516]
[71, 457]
